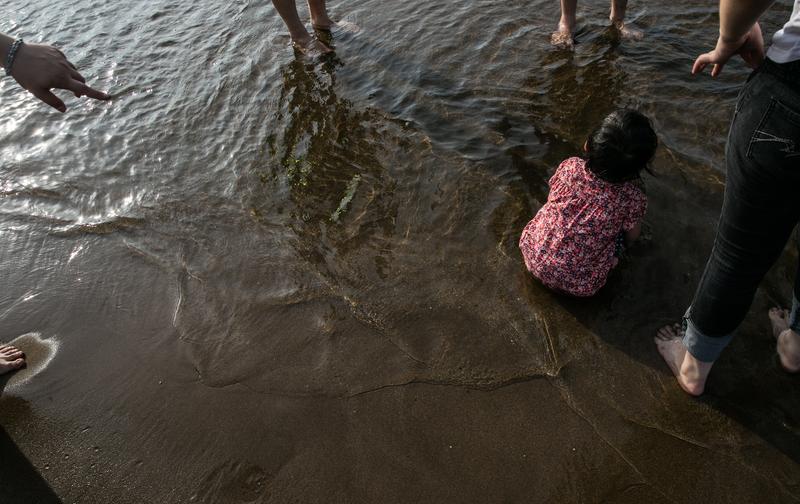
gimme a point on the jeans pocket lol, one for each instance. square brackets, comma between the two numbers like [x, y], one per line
[776, 139]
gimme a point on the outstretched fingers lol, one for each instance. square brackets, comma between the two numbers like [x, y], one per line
[76, 84]
[699, 64]
[79, 87]
[77, 76]
[703, 61]
[49, 98]
[74, 74]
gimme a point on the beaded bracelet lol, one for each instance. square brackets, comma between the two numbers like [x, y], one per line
[12, 53]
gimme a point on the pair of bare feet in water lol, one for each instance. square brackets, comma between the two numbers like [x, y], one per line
[320, 43]
[692, 373]
[11, 359]
[313, 45]
[323, 25]
[563, 37]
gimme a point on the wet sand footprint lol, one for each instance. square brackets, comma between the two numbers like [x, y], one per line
[38, 354]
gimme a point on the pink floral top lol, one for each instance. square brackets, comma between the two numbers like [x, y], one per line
[570, 243]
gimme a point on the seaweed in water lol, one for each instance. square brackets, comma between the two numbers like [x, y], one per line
[347, 198]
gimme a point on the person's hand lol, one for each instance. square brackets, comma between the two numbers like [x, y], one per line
[40, 68]
[752, 51]
[750, 47]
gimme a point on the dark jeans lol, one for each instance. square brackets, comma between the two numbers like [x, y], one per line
[761, 207]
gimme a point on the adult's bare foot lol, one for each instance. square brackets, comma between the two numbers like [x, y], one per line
[11, 359]
[311, 46]
[626, 32]
[788, 345]
[562, 38]
[324, 25]
[690, 372]
[338, 27]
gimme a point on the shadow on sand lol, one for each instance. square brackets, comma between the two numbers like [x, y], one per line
[20, 482]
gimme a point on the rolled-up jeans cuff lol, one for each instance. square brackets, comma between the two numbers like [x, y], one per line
[702, 347]
[794, 316]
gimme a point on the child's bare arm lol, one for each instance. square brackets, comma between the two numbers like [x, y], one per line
[633, 234]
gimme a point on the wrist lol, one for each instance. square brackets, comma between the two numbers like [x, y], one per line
[5, 45]
[733, 37]
[11, 56]
[731, 40]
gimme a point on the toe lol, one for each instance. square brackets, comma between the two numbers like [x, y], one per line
[6, 366]
[778, 315]
[16, 354]
[666, 333]
[7, 349]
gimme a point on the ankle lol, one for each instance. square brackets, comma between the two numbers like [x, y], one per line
[301, 38]
[566, 24]
[616, 15]
[693, 374]
[321, 20]
[618, 23]
[692, 382]
[690, 374]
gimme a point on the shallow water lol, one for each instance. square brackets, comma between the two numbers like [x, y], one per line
[260, 267]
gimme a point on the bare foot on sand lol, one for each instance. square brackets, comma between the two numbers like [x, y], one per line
[562, 38]
[11, 359]
[626, 32]
[690, 372]
[788, 340]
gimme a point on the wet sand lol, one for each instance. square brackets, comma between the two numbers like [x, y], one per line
[429, 403]
[300, 281]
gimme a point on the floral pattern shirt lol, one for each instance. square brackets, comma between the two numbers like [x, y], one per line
[570, 243]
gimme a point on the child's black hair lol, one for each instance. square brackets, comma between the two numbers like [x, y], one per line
[621, 147]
